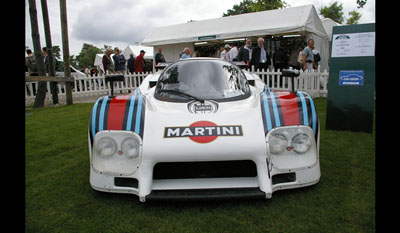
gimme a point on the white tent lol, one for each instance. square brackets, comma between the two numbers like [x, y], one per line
[302, 20]
[328, 25]
[98, 61]
[135, 50]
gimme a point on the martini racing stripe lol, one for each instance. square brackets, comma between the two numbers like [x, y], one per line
[118, 113]
[287, 108]
[265, 111]
[130, 111]
[102, 113]
[311, 111]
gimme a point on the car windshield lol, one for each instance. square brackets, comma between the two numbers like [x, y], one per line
[202, 80]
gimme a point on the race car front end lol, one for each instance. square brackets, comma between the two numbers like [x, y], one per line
[200, 129]
[186, 157]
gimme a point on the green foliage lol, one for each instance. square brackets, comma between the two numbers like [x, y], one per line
[334, 12]
[87, 55]
[247, 6]
[354, 17]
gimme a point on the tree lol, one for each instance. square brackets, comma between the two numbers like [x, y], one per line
[242, 8]
[354, 17]
[266, 5]
[87, 55]
[56, 51]
[247, 6]
[361, 3]
[334, 12]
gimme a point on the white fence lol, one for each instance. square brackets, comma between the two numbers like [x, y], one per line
[313, 82]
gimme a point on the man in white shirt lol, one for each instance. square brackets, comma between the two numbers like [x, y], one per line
[223, 55]
[232, 53]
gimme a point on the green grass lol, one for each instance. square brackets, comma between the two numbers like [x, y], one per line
[59, 197]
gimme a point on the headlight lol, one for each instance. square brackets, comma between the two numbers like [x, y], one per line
[292, 147]
[130, 147]
[301, 143]
[106, 147]
[116, 152]
[277, 143]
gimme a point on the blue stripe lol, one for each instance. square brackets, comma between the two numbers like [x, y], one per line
[102, 112]
[130, 113]
[314, 115]
[138, 114]
[304, 107]
[94, 110]
[267, 116]
[276, 114]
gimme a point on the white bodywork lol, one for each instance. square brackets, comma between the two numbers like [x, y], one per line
[252, 145]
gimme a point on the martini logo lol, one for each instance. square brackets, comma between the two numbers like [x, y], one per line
[203, 131]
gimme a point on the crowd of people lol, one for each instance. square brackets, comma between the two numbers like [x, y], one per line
[302, 57]
[119, 64]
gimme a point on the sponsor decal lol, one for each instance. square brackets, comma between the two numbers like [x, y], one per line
[197, 107]
[203, 131]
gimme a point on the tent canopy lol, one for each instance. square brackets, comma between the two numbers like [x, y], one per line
[135, 50]
[274, 22]
[303, 20]
[328, 25]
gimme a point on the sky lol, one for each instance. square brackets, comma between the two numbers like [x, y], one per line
[119, 23]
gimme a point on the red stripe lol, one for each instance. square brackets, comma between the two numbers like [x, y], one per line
[289, 107]
[116, 112]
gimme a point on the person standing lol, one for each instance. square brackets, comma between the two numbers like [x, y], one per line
[131, 62]
[245, 52]
[139, 62]
[159, 57]
[259, 57]
[308, 56]
[107, 62]
[186, 53]
[224, 52]
[233, 52]
[31, 62]
[32, 69]
[280, 58]
[119, 61]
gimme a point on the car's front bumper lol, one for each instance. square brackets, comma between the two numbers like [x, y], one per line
[263, 184]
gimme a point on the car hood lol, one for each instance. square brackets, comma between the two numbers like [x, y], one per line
[203, 131]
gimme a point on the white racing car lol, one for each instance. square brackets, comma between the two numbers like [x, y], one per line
[203, 128]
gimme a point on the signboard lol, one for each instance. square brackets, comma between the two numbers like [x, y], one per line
[210, 37]
[351, 77]
[351, 86]
[353, 44]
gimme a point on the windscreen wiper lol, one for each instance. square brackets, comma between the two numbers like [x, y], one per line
[180, 93]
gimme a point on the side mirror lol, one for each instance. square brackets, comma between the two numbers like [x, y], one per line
[111, 78]
[290, 73]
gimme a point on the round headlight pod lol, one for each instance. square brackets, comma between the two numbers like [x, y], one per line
[130, 147]
[106, 147]
[277, 143]
[301, 143]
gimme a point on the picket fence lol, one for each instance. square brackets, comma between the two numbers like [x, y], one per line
[89, 88]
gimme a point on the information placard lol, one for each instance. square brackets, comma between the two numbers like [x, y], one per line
[353, 44]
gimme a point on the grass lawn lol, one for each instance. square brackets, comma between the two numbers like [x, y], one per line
[59, 197]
